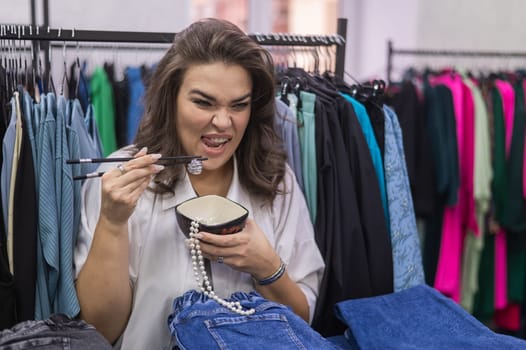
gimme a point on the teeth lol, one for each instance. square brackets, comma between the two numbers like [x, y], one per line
[219, 140]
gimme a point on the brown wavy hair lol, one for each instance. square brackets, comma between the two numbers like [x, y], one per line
[260, 155]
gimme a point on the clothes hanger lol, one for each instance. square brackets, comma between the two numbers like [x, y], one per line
[65, 79]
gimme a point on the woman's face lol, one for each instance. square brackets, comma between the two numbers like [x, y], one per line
[213, 110]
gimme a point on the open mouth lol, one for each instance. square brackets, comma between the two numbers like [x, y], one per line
[214, 142]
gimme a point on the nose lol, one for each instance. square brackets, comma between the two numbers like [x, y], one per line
[222, 119]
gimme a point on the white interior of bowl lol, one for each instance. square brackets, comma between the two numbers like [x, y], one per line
[211, 210]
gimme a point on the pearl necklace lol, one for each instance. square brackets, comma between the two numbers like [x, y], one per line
[198, 266]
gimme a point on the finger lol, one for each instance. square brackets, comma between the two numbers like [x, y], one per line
[135, 189]
[143, 151]
[119, 188]
[126, 173]
[136, 192]
[212, 251]
[140, 162]
[221, 259]
[126, 197]
[230, 240]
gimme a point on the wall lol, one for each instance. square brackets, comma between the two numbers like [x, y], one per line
[445, 24]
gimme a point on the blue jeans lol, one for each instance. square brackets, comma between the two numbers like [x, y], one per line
[58, 332]
[417, 318]
[199, 322]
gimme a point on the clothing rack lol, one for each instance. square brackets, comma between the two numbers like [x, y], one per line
[47, 34]
[391, 51]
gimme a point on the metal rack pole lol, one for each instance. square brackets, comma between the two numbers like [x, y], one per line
[391, 51]
[340, 49]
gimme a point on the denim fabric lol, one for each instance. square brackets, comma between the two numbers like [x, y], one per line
[341, 342]
[199, 322]
[417, 318]
[55, 333]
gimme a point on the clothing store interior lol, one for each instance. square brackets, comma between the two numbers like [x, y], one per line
[403, 124]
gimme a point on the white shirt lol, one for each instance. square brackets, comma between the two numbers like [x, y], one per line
[160, 263]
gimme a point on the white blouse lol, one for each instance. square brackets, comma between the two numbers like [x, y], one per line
[160, 263]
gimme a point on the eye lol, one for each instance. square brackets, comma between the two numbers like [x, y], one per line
[201, 103]
[240, 106]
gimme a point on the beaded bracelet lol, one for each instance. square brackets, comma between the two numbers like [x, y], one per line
[274, 277]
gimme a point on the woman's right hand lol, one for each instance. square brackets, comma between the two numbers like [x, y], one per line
[123, 185]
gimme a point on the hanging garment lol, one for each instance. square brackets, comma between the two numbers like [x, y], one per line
[408, 105]
[376, 156]
[93, 130]
[483, 173]
[135, 109]
[514, 220]
[104, 110]
[7, 289]
[440, 128]
[513, 215]
[351, 236]
[14, 169]
[307, 138]
[287, 126]
[461, 215]
[65, 300]
[83, 93]
[88, 146]
[8, 145]
[407, 258]
[122, 101]
[48, 253]
[25, 219]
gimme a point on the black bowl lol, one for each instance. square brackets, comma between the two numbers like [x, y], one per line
[215, 214]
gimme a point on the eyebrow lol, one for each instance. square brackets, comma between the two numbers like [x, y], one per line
[211, 98]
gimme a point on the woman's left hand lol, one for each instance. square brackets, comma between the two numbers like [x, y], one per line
[248, 251]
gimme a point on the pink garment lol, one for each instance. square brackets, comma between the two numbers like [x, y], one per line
[509, 318]
[501, 271]
[461, 217]
[507, 95]
[524, 155]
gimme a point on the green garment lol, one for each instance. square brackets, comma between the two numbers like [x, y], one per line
[515, 213]
[498, 186]
[483, 173]
[104, 110]
[307, 139]
[484, 298]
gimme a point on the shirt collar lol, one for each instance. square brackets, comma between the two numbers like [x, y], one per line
[185, 191]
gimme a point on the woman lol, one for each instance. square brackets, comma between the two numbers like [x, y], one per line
[212, 94]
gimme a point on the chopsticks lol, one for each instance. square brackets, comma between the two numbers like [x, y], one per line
[163, 160]
[175, 160]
